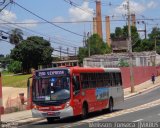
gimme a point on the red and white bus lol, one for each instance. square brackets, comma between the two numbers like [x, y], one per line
[70, 91]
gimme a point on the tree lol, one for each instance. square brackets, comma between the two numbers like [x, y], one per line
[15, 67]
[154, 38]
[32, 52]
[97, 46]
[5, 60]
[119, 32]
[122, 33]
[16, 36]
[123, 63]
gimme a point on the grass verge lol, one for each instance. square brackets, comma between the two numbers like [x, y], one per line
[14, 80]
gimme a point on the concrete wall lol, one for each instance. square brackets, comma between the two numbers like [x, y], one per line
[141, 74]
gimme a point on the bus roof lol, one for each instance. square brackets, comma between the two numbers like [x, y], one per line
[77, 69]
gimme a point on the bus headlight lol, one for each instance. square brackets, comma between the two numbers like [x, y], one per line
[67, 104]
[34, 106]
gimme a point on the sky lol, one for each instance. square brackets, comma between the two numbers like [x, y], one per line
[63, 22]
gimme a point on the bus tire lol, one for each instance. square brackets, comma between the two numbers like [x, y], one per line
[110, 105]
[50, 119]
[84, 110]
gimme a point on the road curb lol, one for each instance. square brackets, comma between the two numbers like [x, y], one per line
[137, 93]
[28, 122]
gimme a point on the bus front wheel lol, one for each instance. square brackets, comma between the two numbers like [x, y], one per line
[110, 105]
[84, 111]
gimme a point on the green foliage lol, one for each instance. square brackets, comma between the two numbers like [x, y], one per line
[149, 44]
[97, 46]
[16, 36]
[5, 60]
[83, 52]
[118, 32]
[155, 33]
[32, 52]
[15, 67]
[122, 33]
[154, 38]
[123, 63]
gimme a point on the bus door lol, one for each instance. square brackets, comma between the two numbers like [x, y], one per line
[76, 95]
[29, 92]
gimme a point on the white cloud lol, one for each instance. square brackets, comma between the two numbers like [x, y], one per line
[29, 23]
[58, 19]
[152, 4]
[8, 16]
[81, 13]
[135, 7]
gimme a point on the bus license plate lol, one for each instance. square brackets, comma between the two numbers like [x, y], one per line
[53, 113]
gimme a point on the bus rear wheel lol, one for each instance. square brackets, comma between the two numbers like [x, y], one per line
[84, 111]
[111, 105]
[50, 119]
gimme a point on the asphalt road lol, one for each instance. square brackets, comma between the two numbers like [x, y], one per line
[146, 115]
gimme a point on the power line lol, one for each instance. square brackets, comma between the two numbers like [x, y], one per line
[47, 20]
[41, 22]
[39, 34]
[5, 5]
[78, 6]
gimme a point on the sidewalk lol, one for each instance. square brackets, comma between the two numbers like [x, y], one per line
[148, 85]
[24, 117]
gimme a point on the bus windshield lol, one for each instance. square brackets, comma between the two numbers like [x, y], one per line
[51, 89]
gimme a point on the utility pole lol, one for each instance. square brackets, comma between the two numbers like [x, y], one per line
[155, 44]
[75, 51]
[60, 50]
[68, 52]
[130, 48]
[89, 51]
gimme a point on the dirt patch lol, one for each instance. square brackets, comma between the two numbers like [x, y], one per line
[12, 93]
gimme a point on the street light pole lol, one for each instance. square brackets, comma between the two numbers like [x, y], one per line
[155, 44]
[130, 49]
[89, 49]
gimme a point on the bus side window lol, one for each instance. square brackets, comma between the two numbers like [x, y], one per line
[76, 85]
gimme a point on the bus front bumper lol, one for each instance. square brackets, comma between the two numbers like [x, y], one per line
[67, 112]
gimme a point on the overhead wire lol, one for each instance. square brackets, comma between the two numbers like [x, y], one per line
[46, 20]
[39, 34]
[78, 6]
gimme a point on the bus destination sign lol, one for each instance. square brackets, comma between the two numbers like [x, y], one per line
[50, 73]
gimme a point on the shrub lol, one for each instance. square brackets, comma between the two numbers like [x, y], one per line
[15, 67]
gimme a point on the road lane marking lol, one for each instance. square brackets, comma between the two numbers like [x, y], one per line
[138, 120]
[114, 114]
[159, 114]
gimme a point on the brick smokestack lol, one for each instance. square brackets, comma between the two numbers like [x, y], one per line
[133, 17]
[99, 18]
[108, 37]
[94, 25]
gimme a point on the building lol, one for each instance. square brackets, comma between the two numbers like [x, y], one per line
[114, 59]
[119, 45]
[66, 61]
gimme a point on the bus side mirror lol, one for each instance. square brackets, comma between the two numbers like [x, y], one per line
[28, 87]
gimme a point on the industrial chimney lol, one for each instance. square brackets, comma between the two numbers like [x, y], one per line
[99, 18]
[133, 17]
[94, 25]
[108, 38]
